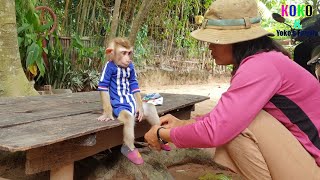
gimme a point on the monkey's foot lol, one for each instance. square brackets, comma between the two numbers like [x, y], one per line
[165, 147]
[134, 155]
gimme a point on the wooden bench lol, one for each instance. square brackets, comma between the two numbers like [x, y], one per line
[51, 129]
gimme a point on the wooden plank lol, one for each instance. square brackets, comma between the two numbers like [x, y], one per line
[22, 104]
[59, 154]
[62, 153]
[41, 133]
[183, 114]
[14, 119]
[178, 101]
[30, 109]
[48, 131]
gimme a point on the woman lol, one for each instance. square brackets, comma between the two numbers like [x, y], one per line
[266, 126]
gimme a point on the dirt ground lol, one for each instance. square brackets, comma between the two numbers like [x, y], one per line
[214, 88]
[195, 171]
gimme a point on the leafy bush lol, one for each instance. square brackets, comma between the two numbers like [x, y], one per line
[82, 80]
[142, 50]
[31, 35]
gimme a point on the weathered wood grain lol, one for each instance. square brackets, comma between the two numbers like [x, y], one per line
[183, 113]
[66, 152]
[59, 154]
[44, 113]
[18, 104]
[70, 121]
[42, 133]
[17, 111]
[177, 101]
[50, 128]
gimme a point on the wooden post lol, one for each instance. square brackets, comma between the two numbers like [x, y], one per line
[183, 113]
[63, 173]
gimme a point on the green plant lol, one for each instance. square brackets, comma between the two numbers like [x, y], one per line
[82, 80]
[90, 79]
[83, 76]
[79, 73]
[59, 63]
[31, 35]
[142, 50]
[74, 81]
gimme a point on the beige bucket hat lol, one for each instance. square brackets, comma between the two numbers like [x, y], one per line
[230, 21]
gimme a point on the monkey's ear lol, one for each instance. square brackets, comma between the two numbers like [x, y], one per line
[109, 51]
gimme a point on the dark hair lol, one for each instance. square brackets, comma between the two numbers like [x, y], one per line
[245, 49]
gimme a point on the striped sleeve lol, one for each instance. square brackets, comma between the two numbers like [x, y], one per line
[134, 85]
[105, 78]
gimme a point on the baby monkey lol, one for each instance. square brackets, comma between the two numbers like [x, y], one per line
[121, 98]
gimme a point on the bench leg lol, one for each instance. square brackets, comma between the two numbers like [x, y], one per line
[63, 173]
[184, 113]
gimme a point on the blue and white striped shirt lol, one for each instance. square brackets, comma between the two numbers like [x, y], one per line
[122, 84]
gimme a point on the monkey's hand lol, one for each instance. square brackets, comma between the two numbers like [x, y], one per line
[140, 113]
[106, 117]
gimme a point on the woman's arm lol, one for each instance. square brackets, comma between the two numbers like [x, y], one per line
[168, 121]
[251, 88]
[165, 132]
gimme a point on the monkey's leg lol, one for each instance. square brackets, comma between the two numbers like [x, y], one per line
[128, 128]
[151, 114]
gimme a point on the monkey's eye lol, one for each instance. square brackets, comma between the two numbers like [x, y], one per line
[126, 53]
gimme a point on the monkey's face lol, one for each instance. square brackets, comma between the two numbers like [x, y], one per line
[120, 52]
[122, 57]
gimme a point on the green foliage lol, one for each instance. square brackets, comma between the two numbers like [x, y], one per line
[142, 48]
[80, 75]
[76, 65]
[30, 37]
[59, 62]
[82, 80]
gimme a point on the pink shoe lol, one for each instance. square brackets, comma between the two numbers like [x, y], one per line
[134, 155]
[165, 147]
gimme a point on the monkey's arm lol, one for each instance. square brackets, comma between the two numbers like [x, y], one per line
[106, 104]
[107, 108]
[103, 87]
[137, 97]
[135, 90]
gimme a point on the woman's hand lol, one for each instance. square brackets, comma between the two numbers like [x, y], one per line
[152, 139]
[168, 121]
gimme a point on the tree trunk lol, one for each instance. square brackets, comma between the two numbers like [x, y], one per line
[13, 81]
[115, 19]
[145, 7]
[65, 18]
[128, 17]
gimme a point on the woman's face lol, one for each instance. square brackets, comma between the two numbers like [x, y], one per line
[222, 53]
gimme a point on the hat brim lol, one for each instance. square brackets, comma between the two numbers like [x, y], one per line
[217, 36]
